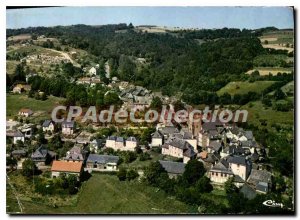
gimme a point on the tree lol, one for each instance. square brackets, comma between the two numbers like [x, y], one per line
[203, 185]
[279, 94]
[229, 186]
[131, 175]
[28, 168]
[152, 173]
[194, 170]
[111, 98]
[156, 103]
[122, 174]
[11, 162]
[72, 184]
[19, 73]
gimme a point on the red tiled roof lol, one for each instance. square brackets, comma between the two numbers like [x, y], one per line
[65, 166]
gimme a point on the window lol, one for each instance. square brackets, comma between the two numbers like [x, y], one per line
[221, 174]
[225, 175]
[212, 173]
[216, 174]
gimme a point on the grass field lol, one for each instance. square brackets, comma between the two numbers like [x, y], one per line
[11, 66]
[106, 194]
[41, 109]
[263, 71]
[257, 112]
[244, 87]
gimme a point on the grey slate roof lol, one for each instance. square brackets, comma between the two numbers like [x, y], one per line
[67, 124]
[157, 134]
[215, 145]
[18, 152]
[46, 123]
[248, 191]
[172, 167]
[102, 159]
[75, 153]
[221, 167]
[257, 176]
[237, 160]
[41, 152]
[16, 133]
[248, 135]
[169, 130]
[131, 139]
[120, 139]
[181, 144]
[189, 153]
[262, 187]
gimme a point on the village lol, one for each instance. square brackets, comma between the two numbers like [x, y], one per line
[226, 151]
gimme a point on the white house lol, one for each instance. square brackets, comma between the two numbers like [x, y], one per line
[131, 143]
[239, 166]
[68, 127]
[25, 112]
[92, 72]
[48, 125]
[157, 139]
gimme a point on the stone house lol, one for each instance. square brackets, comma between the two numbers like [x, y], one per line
[98, 162]
[66, 167]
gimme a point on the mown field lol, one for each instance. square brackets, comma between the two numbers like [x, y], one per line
[244, 87]
[106, 194]
[41, 109]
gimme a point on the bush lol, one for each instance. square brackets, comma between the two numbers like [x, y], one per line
[122, 174]
[131, 175]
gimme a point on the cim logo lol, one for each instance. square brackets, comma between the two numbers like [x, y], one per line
[272, 203]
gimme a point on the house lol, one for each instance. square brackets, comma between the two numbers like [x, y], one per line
[95, 145]
[16, 135]
[173, 168]
[131, 143]
[48, 125]
[179, 148]
[261, 180]
[248, 191]
[11, 124]
[187, 136]
[220, 172]
[239, 166]
[68, 127]
[117, 143]
[214, 146]
[66, 167]
[83, 138]
[167, 131]
[25, 112]
[92, 72]
[19, 88]
[157, 139]
[42, 156]
[102, 162]
[76, 153]
[26, 129]
[18, 154]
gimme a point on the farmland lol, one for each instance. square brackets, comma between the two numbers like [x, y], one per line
[263, 71]
[283, 40]
[257, 112]
[244, 87]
